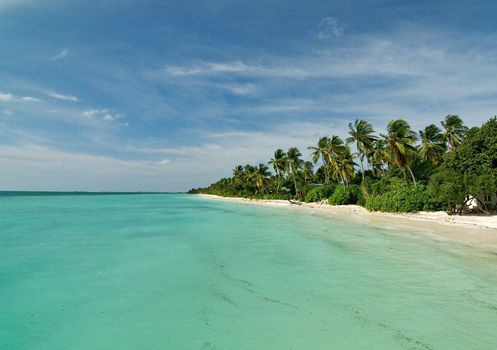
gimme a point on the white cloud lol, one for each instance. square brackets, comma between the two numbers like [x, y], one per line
[93, 112]
[422, 75]
[63, 97]
[60, 55]
[163, 162]
[203, 67]
[8, 97]
[62, 170]
[7, 111]
[329, 27]
[103, 114]
[29, 99]
[241, 89]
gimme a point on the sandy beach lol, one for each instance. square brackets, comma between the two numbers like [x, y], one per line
[467, 229]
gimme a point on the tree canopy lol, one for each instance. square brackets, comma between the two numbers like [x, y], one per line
[398, 171]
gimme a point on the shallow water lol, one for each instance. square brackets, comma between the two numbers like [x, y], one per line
[181, 272]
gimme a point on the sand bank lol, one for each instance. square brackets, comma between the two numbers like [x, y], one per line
[468, 229]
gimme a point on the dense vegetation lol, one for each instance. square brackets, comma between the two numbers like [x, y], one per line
[396, 171]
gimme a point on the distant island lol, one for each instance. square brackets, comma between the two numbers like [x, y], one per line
[452, 168]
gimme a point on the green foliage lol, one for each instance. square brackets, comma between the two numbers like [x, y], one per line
[281, 196]
[402, 197]
[320, 193]
[447, 187]
[477, 154]
[471, 168]
[345, 195]
[398, 175]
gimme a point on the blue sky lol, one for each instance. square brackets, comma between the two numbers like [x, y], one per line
[168, 95]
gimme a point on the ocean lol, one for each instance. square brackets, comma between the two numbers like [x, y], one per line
[164, 271]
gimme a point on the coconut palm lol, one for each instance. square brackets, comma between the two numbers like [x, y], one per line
[346, 165]
[378, 156]
[308, 171]
[260, 175]
[237, 171]
[247, 178]
[237, 176]
[432, 145]
[279, 164]
[294, 164]
[319, 153]
[454, 130]
[333, 151]
[361, 133]
[400, 141]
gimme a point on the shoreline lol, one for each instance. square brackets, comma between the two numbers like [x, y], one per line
[473, 230]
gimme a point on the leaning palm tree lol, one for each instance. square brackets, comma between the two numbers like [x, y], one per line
[237, 171]
[400, 141]
[261, 173]
[294, 164]
[248, 177]
[432, 145]
[308, 171]
[279, 165]
[237, 179]
[361, 133]
[454, 130]
[346, 165]
[378, 157]
[319, 153]
[333, 151]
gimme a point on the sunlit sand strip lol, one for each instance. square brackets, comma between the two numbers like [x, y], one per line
[468, 229]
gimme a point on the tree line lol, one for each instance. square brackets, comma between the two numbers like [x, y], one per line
[438, 167]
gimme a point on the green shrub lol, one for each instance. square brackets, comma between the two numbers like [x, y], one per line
[283, 196]
[345, 195]
[320, 193]
[402, 197]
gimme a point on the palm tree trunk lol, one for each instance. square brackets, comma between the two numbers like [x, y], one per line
[326, 172]
[279, 179]
[341, 176]
[295, 183]
[412, 175]
[362, 166]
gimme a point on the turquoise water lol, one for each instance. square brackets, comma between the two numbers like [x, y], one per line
[181, 272]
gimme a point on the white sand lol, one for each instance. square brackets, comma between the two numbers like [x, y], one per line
[469, 229]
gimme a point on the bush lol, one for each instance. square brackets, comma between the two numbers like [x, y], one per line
[402, 197]
[320, 193]
[282, 196]
[447, 188]
[345, 195]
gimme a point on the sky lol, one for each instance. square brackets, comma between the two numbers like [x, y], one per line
[148, 95]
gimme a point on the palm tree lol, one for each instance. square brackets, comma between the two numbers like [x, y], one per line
[346, 165]
[432, 145]
[319, 153]
[279, 164]
[294, 164]
[400, 141]
[361, 132]
[237, 175]
[454, 130]
[308, 171]
[333, 151]
[378, 156]
[248, 177]
[238, 171]
[261, 173]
